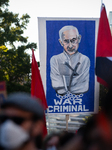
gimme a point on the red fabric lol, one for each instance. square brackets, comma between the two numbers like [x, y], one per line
[3, 86]
[102, 82]
[37, 89]
[104, 125]
[104, 40]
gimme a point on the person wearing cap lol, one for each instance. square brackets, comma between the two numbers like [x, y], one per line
[70, 69]
[21, 123]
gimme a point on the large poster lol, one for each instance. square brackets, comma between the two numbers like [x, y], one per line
[68, 70]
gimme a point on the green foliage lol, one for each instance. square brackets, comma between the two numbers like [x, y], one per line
[4, 3]
[15, 87]
[15, 67]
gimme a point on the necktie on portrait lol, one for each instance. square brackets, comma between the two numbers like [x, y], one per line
[37, 89]
[104, 51]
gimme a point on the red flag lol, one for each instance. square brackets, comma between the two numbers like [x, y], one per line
[104, 51]
[37, 89]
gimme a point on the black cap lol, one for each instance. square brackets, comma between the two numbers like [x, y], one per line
[25, 102]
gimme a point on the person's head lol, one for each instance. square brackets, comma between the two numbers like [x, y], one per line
[51, 141]
[69, 39]
[96, 133]
[21, 120]
[65, 137]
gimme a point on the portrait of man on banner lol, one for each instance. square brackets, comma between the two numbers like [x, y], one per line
[69, 70]
[70, 63]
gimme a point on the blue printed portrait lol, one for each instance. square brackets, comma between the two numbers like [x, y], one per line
[70, 74]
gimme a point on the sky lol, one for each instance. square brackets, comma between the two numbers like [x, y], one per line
[55, 8]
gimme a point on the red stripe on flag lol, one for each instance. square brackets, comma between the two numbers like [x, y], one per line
[104, 46]
[104, 40]
[102, 82]
[37, 89]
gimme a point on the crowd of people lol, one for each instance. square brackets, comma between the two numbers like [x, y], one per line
[22, 121]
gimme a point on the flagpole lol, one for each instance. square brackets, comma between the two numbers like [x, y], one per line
[48, 120]
[101, 2]
[67, 118]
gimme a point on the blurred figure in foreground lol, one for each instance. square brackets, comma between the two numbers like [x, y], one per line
[89, 137]
[21, 123]
[65, 137]
[96, 134]
[51, 141]
[56, 140]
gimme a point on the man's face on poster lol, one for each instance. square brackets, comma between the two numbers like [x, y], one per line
[70, 41]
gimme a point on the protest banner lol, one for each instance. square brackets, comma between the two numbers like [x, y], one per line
[69, 82]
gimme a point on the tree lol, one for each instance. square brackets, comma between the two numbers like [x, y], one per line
[15, 64]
